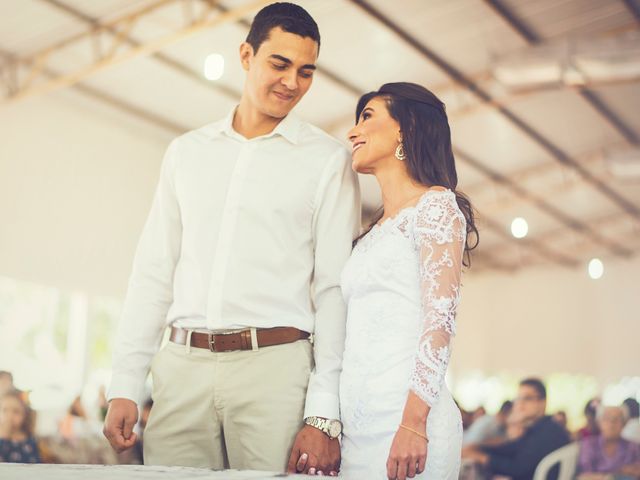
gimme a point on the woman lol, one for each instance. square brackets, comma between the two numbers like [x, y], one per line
[608, 452]
[402, 287]
[17, 441]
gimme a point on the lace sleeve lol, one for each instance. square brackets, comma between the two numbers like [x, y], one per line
[439, 234]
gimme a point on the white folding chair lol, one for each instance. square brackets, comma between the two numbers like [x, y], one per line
[566, 456]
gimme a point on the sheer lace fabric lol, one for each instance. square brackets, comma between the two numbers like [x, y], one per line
[402, 287]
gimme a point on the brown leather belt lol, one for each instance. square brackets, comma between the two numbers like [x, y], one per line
[228, 342]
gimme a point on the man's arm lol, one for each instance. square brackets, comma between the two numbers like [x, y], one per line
[336, 223]
[149, 296]
[531, 449]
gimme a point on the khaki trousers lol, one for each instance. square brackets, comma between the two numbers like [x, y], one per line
[239, 410]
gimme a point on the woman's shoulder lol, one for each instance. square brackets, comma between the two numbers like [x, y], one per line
[437, 206]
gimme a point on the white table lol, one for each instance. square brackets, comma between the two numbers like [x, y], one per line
[20, 471]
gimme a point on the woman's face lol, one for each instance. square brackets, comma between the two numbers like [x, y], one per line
[611, 423]
[374, 138]
[12, 414]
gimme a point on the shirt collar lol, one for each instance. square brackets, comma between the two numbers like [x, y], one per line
[288, 128]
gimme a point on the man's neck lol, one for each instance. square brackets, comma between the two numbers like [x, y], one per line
[250, 123]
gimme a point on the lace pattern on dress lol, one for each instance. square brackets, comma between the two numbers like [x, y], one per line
[439, 233]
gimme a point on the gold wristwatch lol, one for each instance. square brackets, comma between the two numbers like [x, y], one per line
[333, 428]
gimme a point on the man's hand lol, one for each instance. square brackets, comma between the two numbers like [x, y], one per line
[121, 417]
[314, 453]
[475, 455]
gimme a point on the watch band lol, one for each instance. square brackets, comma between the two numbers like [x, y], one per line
[331, 428]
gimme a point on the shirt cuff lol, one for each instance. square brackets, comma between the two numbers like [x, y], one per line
[321, 404]
[124, 386]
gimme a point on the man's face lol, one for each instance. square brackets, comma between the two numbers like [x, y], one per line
[528, 404]
[280, 72]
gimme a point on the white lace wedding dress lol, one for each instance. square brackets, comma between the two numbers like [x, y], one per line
[402, 287]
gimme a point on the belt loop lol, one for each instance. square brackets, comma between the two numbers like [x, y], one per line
[254, 340]
[188, 344]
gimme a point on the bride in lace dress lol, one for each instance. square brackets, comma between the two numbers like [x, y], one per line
[402, 287]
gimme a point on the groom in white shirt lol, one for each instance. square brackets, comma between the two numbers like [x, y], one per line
[241, 255]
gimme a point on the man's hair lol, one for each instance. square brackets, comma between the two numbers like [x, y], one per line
[506, 407]
[289, 17]
[537, 385]
[4, 373]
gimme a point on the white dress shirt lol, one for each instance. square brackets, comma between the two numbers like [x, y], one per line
[244, 233]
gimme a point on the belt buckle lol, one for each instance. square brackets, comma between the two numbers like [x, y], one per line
[212, 342]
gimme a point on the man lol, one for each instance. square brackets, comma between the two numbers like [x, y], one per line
[519, 458]
[241, 255]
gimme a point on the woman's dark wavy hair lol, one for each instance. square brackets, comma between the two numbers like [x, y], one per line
[426, 138]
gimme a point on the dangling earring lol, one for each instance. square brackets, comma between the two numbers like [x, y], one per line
[400, 154]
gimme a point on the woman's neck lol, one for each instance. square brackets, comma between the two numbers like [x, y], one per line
[15, 436]
[398, 190]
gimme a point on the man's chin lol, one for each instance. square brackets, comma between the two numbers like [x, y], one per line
[279, 111]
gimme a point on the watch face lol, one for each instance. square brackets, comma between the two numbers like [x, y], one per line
[335, 429]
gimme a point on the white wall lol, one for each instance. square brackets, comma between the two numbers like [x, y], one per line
[545, 320]
[76, 181]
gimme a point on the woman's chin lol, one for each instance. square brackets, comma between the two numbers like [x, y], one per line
[359, 167]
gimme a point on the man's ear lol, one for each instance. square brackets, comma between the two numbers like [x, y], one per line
[246, 54]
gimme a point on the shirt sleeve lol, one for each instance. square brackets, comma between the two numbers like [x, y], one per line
[150, 290]
[439, 235]
[336, 223]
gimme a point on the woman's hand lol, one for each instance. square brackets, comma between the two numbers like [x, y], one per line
[408, 455]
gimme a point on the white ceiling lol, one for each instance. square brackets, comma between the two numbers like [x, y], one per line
[567, 215]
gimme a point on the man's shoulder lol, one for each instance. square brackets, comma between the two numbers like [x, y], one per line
[311, 134]
[548, 427]
[201, 134]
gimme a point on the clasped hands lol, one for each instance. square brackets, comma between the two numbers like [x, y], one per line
[314, 453]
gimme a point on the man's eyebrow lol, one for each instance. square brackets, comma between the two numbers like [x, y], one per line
[289, 62]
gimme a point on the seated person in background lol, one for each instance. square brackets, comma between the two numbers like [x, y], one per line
[519, 458]
[631, 430]
[608, 452]
[17, 443]
[491, 428]
[138, 450]
[75, 425]
[6, 382]
[561, 418]
[591, 428]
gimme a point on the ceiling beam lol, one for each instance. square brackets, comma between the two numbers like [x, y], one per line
[164, 59]
[543, 205]
[146, 116]
[533, 38]
[534, 245]
[123, 27]
[457, 76]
